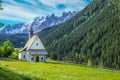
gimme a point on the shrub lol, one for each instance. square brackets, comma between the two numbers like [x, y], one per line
[53, 55]
[7, 48]
[14, 55]
[89, 62]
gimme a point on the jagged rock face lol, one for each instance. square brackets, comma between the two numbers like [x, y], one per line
[38, 23]
[11, 29]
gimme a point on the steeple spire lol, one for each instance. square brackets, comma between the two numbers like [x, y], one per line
[30, 32]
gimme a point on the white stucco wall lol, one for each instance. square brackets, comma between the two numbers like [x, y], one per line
[35, 46]
[22, 56]
[34, 58]
[19, 56]
[30, 58]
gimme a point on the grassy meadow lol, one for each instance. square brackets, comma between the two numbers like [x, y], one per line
[19, 70]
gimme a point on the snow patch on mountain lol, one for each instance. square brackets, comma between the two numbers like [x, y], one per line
[37, 23]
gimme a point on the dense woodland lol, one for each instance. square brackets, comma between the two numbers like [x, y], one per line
[18, 40]
[92, 36]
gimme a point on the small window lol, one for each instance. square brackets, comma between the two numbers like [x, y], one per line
[41, 58]
[37, 44]
[23, 56]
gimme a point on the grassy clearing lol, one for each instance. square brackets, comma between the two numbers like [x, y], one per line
[6, 74]
[56, 71]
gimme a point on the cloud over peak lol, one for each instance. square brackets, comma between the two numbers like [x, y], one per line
[24, 10]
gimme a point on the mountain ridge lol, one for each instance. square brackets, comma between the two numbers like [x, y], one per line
[38, 23]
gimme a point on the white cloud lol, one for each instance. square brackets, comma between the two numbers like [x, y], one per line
[19, 11]
[33, 2]
[15, 18]
[69, 3]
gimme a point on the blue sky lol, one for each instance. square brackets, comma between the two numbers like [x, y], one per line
[21, 11]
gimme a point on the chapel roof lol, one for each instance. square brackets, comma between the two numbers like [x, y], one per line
[29, 43]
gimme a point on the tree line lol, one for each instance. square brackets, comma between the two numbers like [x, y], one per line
[6, 48]
[92, 36]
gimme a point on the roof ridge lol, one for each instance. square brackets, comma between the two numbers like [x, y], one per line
[31, 42]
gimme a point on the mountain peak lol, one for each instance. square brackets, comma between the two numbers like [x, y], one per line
[38, 23]
[52, 14]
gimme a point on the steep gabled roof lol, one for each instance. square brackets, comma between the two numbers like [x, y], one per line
[29, 43]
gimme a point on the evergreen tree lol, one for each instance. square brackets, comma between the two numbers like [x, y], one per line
[7, 48]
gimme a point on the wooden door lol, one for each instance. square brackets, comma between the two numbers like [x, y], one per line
[37, 58]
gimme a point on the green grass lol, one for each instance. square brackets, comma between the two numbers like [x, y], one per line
[54, 71]
[6, 74]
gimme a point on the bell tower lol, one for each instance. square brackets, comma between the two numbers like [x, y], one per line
[30, 32]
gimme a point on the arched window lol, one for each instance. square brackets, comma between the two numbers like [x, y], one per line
[42, 58]
[23, 56]
[37, 44]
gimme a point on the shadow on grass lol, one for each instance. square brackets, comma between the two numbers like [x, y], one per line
[6, 59]
[82, 65]
[7, 74]
[49, 62]
[65, 63]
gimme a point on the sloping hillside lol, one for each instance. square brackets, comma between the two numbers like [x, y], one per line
[19, 70]
[92, 35]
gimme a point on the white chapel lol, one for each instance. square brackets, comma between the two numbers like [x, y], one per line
[34, 50]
